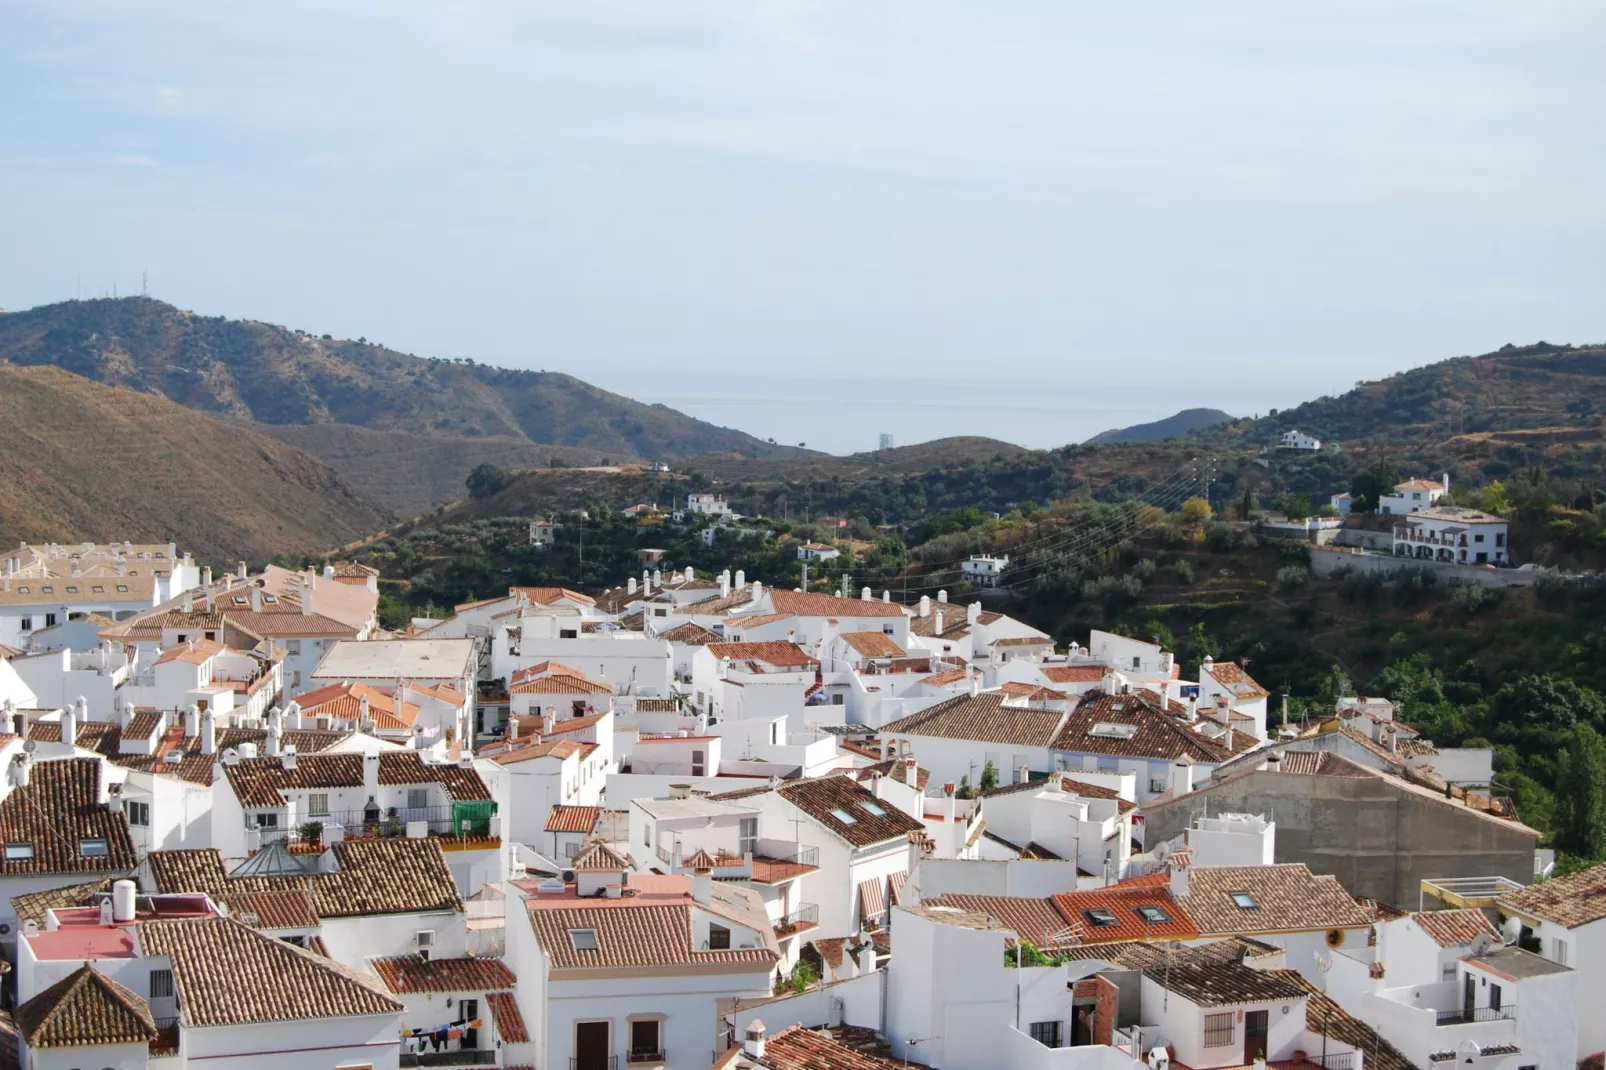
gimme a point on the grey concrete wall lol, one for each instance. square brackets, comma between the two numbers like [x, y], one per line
[1325, 560]
[1368, 540]
[1380, 839]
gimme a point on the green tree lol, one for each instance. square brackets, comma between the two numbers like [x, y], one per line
[1371, 484]
[1247, 506]
[1543, 702]
[1297, 506]
[1195, 512]
[1580, 813]
[989, 777]
[486, 480]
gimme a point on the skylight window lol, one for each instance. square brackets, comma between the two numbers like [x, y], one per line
[72, 590]
[98, 589]
[1111, 730]
[583, 939]
[92, 848]
[1244, 901]
[270, 599]
[122, 588]
[1152, 915]
[1102, 918]
[18, 852]
[239, 599]
[24, 590]
[872, 809]
[48, 590]
[844, 817]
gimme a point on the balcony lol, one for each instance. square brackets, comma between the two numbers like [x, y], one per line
[1463, 1016]
[454, 826]
[465, 1057]
[768, 869]
[165, 1045]
[804, 918]
[647, 1058]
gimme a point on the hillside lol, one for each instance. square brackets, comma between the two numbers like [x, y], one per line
[79, 460]
[1185, 422]
[1515, 388]
[281, 377]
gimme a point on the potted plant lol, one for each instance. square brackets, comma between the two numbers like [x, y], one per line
[312, 832]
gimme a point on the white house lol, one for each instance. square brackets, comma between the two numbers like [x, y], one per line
[1413, 496]
[1567, 917]
[817, 551]
[985, 570]
[43, 586]
[1452, 534]
[1298, 440]
[707, 505]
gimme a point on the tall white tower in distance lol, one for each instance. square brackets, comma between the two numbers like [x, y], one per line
[886, 441]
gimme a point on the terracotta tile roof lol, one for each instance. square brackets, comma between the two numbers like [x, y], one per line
[544, 668]
[229, 974]
[1134, 726]
[895, 768]
[700, 860]
[380, 876]
[1451, 928]
[57, 813]
[829, 605]
[1034, 918]
[873, 644]
[344, 700]
[559, 685]
[84, 1009]
[1217, 984]
[689, 634]
[657, 705]
[895, 885]
[1231, 675]
[943, 679]
[505, 1014]
[599, 858]
[1117, 914]
[524, 750]
[819, 796]
[258, 782]
[1326, 1018]
[545, 596]
[1287, 896]
[565, 818]
[406, 974]
[32, 906]
[737, 624]
[635, 936]
[566, 725]
[290, 909]
[1074, 674]
[983, 718]
[955, 621]
[195, 652]
[797, 1048]
[1568, 901]
[1419, 484]
[777, 653]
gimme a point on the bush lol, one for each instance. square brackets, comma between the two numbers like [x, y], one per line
[1183, 572]
[1292, 577]
[1145, 569]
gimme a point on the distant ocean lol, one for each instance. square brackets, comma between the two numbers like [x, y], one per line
[849, 415]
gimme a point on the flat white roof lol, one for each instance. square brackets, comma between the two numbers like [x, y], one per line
[389, 659]
[669, 809]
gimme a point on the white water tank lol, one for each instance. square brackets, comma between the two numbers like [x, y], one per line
[123, 893]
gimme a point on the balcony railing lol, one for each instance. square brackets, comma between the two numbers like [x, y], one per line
[804, 917]
[1342, 1061]
[464, 1057]
[1462, 1016]
[166, 1043]
[372, 822]
[640, 1057]
[594, 1062]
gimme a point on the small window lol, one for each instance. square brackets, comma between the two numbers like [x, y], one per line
[318, 804]
[161, 984]
[22, 590]
[1244, 901]
[19, 852]
[98, 589]
[139, 814]
[122, 588]
[1218, 1030]
[27, 624]
[844, 817]
[719, 938]
[417, 798]
[270, 599]
[872, 809]
[1100, 918]
[568, 633]
[48, 590]
[1046, 1033]
[50, 620]
[1152, 915]
[92, 848]
[583, 939]
[292, 646]
[72, 590]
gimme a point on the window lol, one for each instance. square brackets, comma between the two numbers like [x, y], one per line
[1218, 1030]
[568, 633]
[122, 588]
[27, 624]
[571, 849]
[1494, 997]
[1101, 918]
[1136, 662]
[1500, 538]
[48, 590]
[1152, 915]
[267, 821]
[1477, 538]
[1156, 786]
[1244, 901]
[1558, 952]
[1046, 1033]
[92, 848]
[24, 590]
[72, 590]
[292, 646]
[1447, 972]
[583, 939]
[886, 629]
[836, 700]
[699, 759]
[417, 798]
[719, 938]
[161, 984]
[644, 1044]
[318, 804]
[844, 817]
[139, 814]
[872, 809]
[98, 589]
[50, 620]
[19, 852]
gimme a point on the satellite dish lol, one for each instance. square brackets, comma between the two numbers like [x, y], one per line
[31, 746]
[1324, 962]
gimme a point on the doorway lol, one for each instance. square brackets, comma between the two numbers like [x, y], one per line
[1469, 995]
[1257, 1025]
[591, 1045]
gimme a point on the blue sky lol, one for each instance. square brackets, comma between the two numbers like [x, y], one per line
[821, 220]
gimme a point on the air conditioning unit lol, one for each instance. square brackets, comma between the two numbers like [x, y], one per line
[568, 876]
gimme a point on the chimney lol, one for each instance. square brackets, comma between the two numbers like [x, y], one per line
[864, 594]
[306, 592]
[725, 584]
[123, 899]
[975, 682]
[240, 570]
[289, 758]
[362, 708]
[680, 791]
[69, 726]
[886, 597]
[208, 732]
[189, 602]
[630, 588]
[19, 769]
[192, 721]
[741, 579]
[206, 575]
[512, 727]
[1023, 774]
[690, 574]
[911, 772]
[328, 572]
[549, 721]
[370, 776]
[942, 596]
[753, 1041]
[758, 590]
[114, 798]
[275, 744]
[1447, 482]
[658, 578]
[702, 885]
[1274, 762]
[1179, 876]
[256, 599]
[1181, 777]
[973, 613]
[925, 605]
[938, 630]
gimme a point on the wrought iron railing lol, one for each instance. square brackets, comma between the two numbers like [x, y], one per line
[641, 1055]
[1465, 1016]
[806, 916]
[462, 1057]
[595, 1062]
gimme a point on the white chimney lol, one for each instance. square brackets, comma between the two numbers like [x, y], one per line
[690, 574]
[1179, 877]
[206, 575]
[886, 597]
[938, 630]
[240, 570]
[306, 593]
[925, 605]
[864, 594]
[753, 1041]
[702, 885]
[1181, 777]
[19, 770]
[189, 602]
[192, 721]
[973, 613]
[362, 709]
[630, 588]
[370, 776]
[942, 596]
[275, 744]
[208, 732]
[658, 578]
[328, 572]
[741, 579]
[114, 798]
[256, 599]
[758, 590]
[69, 726]
[289, 758]
[680, 791]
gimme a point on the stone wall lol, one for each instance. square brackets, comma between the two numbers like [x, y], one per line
[1325, 560]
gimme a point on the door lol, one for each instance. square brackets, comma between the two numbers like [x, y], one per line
[1257, 1024]
[590, 1046]
[1469, 996]
[468, 1010]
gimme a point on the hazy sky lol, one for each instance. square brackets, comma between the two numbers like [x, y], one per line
[822, 220]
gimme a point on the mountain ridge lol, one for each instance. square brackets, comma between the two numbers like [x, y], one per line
[1185, 422]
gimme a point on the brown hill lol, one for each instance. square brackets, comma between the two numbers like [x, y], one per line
[287, 378]
[79, 460]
